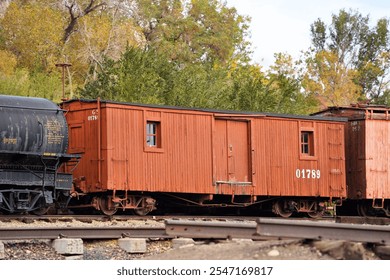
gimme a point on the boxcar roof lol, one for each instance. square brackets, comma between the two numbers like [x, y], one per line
[357, 112]
[217, 111]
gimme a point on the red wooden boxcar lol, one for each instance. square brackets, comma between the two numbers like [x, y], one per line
[134, 154]
[367, 149]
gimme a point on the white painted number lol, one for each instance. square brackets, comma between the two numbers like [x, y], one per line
[94, 115]
[308, 173]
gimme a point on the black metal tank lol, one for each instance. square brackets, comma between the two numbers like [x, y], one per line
[31, 126]
[33, 144]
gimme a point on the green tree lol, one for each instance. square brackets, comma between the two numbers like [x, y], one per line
[285, 84]
[197, 38]
[29, 33]
[373, 61]
[249, 89]
[349, 56]
[98, 36]
[38, 84]
[193, 31]
[8, 63]
[30, 45]
[144, 76]
[278, 89]
[201, 85]
[330, 80]
[139, 76]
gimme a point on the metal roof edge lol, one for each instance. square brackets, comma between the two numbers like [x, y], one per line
[217, 111]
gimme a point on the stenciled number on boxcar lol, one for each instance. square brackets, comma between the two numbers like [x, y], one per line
[94, 115]
[308, 173]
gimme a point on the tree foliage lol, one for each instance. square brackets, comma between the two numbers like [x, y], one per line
[98, 36]
[331, 80]
[41, 33]
[38, 84]
[8, 63]
[285, 82]
[193, 31]
[192, 53]
[78, 10]
[29, 33]
[349, 59]
[146, 76]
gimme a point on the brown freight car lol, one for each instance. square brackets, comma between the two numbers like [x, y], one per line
[133, 155]
[367, 143]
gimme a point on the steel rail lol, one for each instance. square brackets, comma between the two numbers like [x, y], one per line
[210, 230]
[79, 217]
[262, 229]
[81, 232]
[324, 230]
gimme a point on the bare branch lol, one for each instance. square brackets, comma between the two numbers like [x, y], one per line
[76, 13]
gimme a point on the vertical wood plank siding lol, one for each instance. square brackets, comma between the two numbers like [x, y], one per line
[377, 159]
[367, 146]
[205, 152]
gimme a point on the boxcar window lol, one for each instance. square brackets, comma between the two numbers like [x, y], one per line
[153, 134]
[307, 143]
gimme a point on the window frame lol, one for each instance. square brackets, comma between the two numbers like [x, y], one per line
[310, 143]
[157, 135]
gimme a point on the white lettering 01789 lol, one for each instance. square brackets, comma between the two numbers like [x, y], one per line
[308, 174]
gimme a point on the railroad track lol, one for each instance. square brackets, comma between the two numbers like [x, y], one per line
[324, 230]
[82, 232]
[280, 228]
[103, 218]
[211, 230]
[262, 228]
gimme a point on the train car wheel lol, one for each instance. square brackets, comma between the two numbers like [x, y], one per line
[279, 209]
[362, 209]
[316, 214]
[386, 210]
[43, 206]
[106, 206]
[41, 211]
[142, 211]
[145, 206]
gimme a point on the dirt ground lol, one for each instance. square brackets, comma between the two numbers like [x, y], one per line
[268, 250]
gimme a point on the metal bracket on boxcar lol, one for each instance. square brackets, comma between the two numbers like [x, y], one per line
[231, 183]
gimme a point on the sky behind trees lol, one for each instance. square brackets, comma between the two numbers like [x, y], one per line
[284, 25]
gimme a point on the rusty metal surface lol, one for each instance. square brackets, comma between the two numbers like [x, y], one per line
[203, 152]
[209, 230]
[81, 232]
[323, 230]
